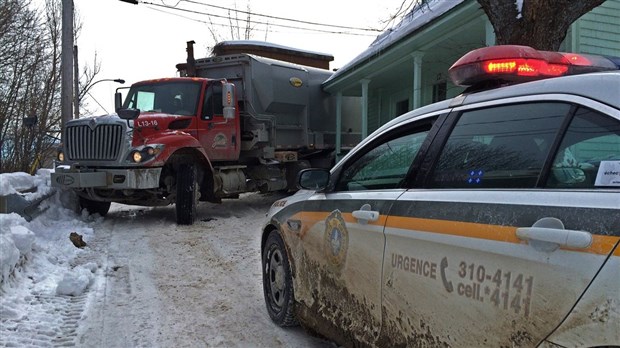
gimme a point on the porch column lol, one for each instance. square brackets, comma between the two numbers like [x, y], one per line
[338, 123]
[417, 79]
[575, 42]
[365, 83]
[489, 32]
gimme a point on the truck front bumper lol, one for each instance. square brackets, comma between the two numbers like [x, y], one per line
[139, 178]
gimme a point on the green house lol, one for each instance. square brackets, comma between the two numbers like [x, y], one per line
[406, 67]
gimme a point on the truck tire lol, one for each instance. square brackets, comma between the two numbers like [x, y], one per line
[278, 282]
[94, 207]
[187, 194]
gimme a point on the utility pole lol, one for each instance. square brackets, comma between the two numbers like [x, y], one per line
[76, 84]
[66, 64]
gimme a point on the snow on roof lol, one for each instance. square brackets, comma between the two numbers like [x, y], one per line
[413, 21]
[274, 46]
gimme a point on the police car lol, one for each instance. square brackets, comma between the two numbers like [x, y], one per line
[491, 219]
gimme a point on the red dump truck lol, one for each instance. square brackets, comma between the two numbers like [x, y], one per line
[227, 125]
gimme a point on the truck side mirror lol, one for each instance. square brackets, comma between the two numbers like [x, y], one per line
[118, 101]
[128, 114]
[228, 100]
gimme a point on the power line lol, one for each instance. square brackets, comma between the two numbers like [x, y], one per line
[281, 18]
[257, 22]
[202, 21]
[98, 103]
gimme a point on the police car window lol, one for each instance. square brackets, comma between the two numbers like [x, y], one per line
[589, 154]
[384, 166]
[499, 147]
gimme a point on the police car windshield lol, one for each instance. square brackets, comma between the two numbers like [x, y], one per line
[171, 97]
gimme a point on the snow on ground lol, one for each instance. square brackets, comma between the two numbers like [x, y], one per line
[141, 281]
[36, 263]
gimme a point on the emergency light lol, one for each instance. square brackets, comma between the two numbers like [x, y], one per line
[514, 64]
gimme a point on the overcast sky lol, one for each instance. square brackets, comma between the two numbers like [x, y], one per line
[137, 42]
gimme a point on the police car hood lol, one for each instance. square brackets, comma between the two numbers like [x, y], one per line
[301, 195]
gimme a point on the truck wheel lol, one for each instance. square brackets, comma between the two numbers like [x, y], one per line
[187, 194]
[94, 207]
[277, 282]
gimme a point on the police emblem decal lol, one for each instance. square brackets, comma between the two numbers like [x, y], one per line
[336, 239]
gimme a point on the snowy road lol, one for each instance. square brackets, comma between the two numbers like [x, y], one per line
[142, 281]
[169, 285]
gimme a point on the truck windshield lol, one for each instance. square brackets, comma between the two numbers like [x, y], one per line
[172, 97]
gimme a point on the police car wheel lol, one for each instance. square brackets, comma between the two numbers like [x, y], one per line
[277, 282]
[186, 199]
[94, 207]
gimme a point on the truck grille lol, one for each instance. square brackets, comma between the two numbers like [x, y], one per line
[100, 144]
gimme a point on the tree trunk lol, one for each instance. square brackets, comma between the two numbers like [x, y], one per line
[541, 24]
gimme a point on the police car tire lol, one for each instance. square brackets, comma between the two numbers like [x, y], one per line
[274, 252]
[94, 207]
[186, 194]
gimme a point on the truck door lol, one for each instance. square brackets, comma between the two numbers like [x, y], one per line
[218, 136]
[509, 229]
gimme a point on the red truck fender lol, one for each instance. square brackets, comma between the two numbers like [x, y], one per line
[180, 143]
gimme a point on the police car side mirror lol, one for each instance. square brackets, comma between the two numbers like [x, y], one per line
[315, 179]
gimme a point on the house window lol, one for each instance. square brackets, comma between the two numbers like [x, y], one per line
[439, 91]
[402, 107]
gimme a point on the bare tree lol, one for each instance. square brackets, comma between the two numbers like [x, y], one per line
[240, 28]
[88, 73]
[541, 24]
[86, 81]
[29, 83]
[25, 73]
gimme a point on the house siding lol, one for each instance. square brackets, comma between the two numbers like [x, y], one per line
[598, 30]
[440, 43]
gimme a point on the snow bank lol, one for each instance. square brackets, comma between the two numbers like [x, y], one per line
[35, 256]
[9, 256]
[31, 187]
[75, 282]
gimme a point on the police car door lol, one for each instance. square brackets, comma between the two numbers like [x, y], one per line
[505, 234]
[344, 240]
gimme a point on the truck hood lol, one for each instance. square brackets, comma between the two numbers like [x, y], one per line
[156, 121]
[161, 121]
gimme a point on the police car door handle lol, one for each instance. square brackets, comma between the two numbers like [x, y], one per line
[364, 215]
[549, 234]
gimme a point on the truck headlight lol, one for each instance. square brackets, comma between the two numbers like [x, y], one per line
[136, 156]
[60, 156]
[146, 153]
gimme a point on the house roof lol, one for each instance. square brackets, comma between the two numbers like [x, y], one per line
[414, 21]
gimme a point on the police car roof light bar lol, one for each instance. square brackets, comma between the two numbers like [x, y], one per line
[515, 64]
